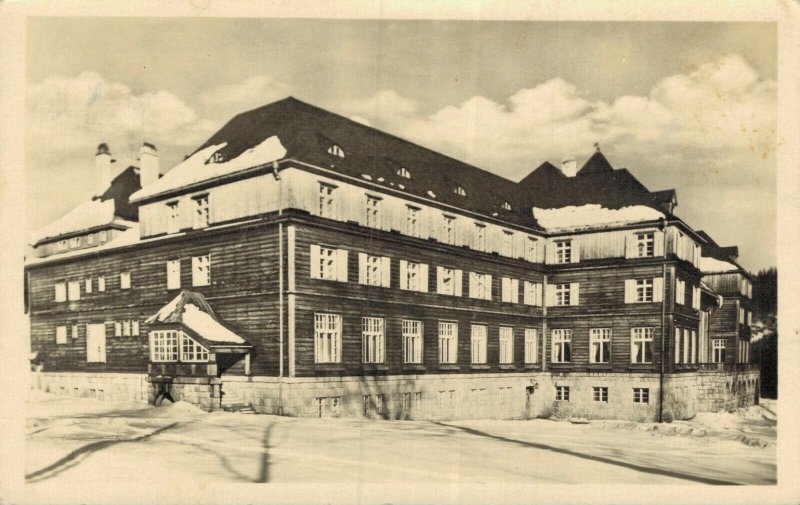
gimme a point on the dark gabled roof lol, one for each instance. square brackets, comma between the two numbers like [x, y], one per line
[120, 190]
[596, 163]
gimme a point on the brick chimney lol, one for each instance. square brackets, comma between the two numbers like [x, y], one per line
[569, 166]
[102, 163]
[149, 170]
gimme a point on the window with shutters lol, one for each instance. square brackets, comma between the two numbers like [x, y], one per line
[125, 280]
[374, 270]
[330, 264]
[645, 245]
[448, 281]
[641, 395]
[563, 251]
[531, 345]
[479, 237]
[173, 217]
[163, 346]
[201, 212]
[73, 290]
[561, 346]
[61, 292]
[530, 248]
[413, 276]
[413, 225]
[448, 341]
[327, 338]
[101, 283]
[507, 245]
[373, 212]
[327, 207]
[644, 290]
[478, 343]
[201, 270]
[718, 350]
[506, 340]
[412, 341]
[532, 293]
[372, 338]
[480, 286]
[642, 345]
[448, 229]
[600, 394]
[88, 285]
[510, 290]
[174, 274]
[562, 294]
[600, 345]
[61, 334]
[562, 393]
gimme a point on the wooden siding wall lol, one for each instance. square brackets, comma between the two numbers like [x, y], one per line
[682, 245]
[723, 324]
[727, 284]
[52, 247]
[243, 294]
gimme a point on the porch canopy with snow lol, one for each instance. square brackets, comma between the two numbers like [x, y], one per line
[186, 338]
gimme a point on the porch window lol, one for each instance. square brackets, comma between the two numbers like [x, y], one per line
[163, 346]
[191, 351]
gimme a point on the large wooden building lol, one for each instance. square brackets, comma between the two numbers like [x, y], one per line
[300, 263]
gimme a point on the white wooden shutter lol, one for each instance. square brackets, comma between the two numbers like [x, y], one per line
[362, 268]
[630, 291]
[505, 289]
[403, 274]
[519, 244]
[550, 252]
[514, 290]
[658, 243]
[575, 253]
[538, 294]
[678, 291]
[488, 295]
[695, 298]
[494, 239]
[439, 277]
[471, 285]
[573, 293]
[458, 282]
[550, 295]
[386, 271]
[341, 265]
[630, 246]
[424, 224]
[658, 289]
[528, 295]
[423, 280]
[314, 266]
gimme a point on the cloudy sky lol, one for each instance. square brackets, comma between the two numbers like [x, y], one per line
[690, 106]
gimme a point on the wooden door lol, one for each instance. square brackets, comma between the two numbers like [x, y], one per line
[96, 343]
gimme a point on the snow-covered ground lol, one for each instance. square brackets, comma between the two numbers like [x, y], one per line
[74, 440]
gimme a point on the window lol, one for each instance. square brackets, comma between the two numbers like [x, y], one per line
[174, 274]
[480, 286]
[642, 345]
[600, 345]
[460, 191]
[479, 237]
[506, 206]
[644, 290]
[507, 245]
[718, 350]
[173, 218]
[201, 270]
[562, 346]
[412, 341]
[101, 283]
[61, 245]
[641, 395]
[74, 290]
[531, 345]
[532, 293]
[506, 345]
[478, 344]
[680, 292]
[563, 251]
[510, 290]
[413, 221]
[373, 212]
[90, 239]
[404, 173]
[562, 294]
[373, 270]
[118, 328]
[61, 292]
[75, 242]
[327, 338]
[329, 407]
[88, 285]
[562, 393]
[102, 236]
[326, 201]
[336, 150]
[413, 276]
[448, 339]
[74, 330]
[201, 211]
[328, 263]
[600, 394]
[448, 229]
[125, 280]
[135, 328]
[191, 351]
[645, 245]
[61, 334]
[530, 249]
[448, 281]
[373, 404]
[126, 328]
[372, 336]
[163, 346]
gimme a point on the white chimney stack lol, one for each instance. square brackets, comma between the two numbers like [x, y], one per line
[569, 166]
[102, 163]
[149, 170]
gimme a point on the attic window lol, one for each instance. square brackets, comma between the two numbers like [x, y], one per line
[403, 172]
[366, 176]
[431, 194]
[336, 150]
[506, 206]
[460, 191]
[215, 158]
[401, 186]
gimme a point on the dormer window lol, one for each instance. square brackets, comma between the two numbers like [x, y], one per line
[201, 212]
[460, 191]
[404, 173]
[62, 245]
[215, 158]
[336, 150]
[75, 242]
[506, 206]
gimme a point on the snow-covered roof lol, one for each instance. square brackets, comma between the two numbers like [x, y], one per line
[89, 214]
[712, 265]
[193, 312]
[125, 238]
[201, 167]
[592, 215]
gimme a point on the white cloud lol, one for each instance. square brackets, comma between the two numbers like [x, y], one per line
[254, 91]
[386, 107]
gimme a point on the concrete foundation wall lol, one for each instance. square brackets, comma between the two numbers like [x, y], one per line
[103, 386]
